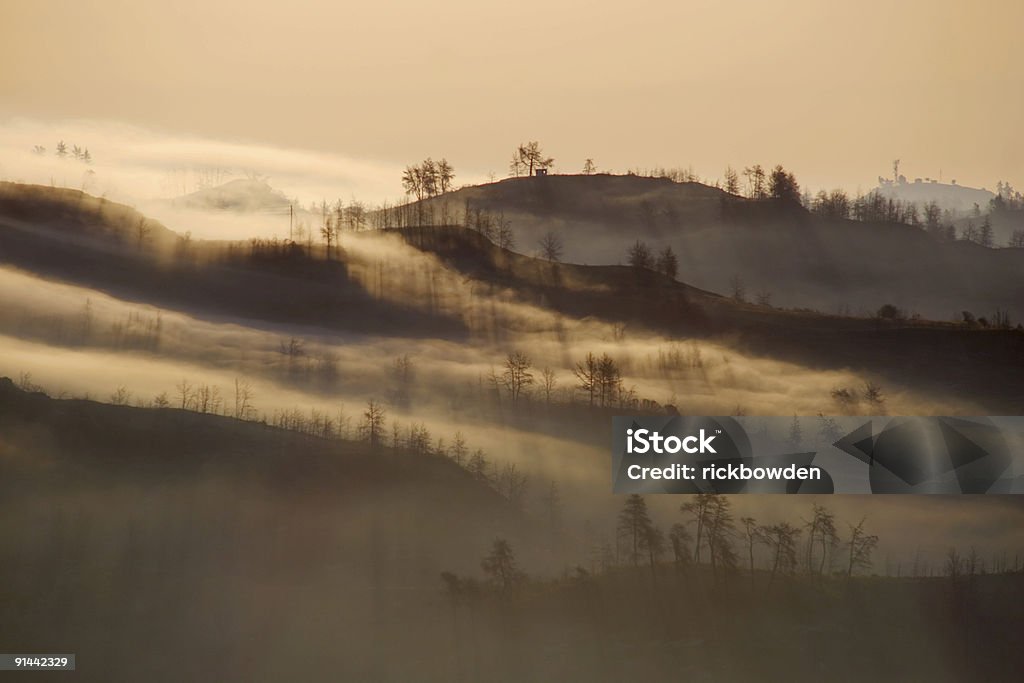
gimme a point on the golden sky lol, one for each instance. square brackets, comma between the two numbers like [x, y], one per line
[834, 90]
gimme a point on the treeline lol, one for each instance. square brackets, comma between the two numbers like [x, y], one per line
[709, 536]
[597, 378]
[370, 426]
[62, 151]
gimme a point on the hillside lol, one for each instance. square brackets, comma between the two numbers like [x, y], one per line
[241, 195]
[281, 285]
[133, 535]
[796, 258]
[72, 237]
[986, 366]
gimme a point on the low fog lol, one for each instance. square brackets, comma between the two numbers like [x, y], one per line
[320, 439]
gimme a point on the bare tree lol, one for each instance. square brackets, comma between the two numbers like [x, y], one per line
[639, 256]
[587, 374]
[501, 568]
[184, 388]
[517, 375]
[548, 382]
[757, 186]
[698, 507]
[506, 239]
[512, 484]
[781, 539]
[142, 232]
[821, 536]
[243, 399]
[458, 450]
[720, 530]
[551, 246]
[679, 536]
[609, 380]
[445, 176]
[861, 546]
[732, 181]
[372, 427]
[589, 168]
[527, 158]
[752, 536]
[635, 527]
[667, 263]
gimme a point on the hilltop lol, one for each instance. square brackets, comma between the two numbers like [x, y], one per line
[798, 259]
[242, 195]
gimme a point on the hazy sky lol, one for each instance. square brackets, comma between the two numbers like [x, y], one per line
[834, 90]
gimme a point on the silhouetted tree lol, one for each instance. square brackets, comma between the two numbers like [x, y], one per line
[635, 527]
[142, 232]
[500, 566]
[782, 540]
[243, 399]
[639, 256]
[551, 246]
[861, 545]
[517, 375]
[587, 374]
[732, 181]
[372, 427]
[783, 186]
[757, 186]
[834, 204]
[527, 158]
[512, 484]
[985, 234]
[821, 534]
[667, 263]
[548, 382]
[609, 379]
[445, 176]
[719, 531]
[680, 539]
[698, 507]
[752, 536]
[506, 239]
[588, 167]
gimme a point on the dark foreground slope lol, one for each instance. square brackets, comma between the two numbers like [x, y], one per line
[800, 259]
[161, 545]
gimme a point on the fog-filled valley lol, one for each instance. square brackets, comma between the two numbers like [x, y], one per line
[296, 440]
